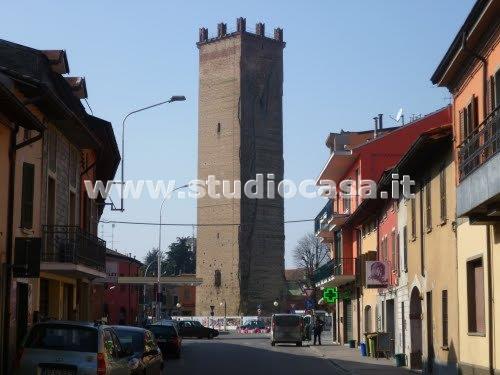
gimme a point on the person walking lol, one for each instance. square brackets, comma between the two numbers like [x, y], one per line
[318, 329]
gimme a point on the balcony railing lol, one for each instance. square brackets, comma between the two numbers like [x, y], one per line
[479, 146]
[336, 267]
[321, 221]
[71, 244]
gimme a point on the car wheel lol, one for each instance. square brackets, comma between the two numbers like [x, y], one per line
[210, 336]
[299, 343]
[273, 343]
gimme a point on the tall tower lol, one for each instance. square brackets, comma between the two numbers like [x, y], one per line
[240, 135]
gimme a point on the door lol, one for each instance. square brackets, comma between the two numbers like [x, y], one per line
[403, 328]
[347, 320]
[390, 322]
[22, 312]
[430, 335]
[416, 330]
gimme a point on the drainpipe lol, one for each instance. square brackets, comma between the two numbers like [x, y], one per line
[484, 61]
[422, 247]
[9, 248]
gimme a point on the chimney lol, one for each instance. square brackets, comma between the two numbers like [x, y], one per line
[260, 29]
[203, 34]
[375, 119]
[278, 34]
[380, 123]
[241, 24]
[221, 30]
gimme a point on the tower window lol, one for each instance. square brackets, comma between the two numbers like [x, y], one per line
[218, 128]
[217, 278]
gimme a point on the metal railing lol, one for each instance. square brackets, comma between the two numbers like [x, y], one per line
[336, 267]
[321, 220]
[71, 244]
[479, 146]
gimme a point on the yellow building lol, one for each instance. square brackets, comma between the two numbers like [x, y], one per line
[470, 70]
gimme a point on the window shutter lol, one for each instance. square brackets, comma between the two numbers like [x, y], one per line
[489, 96]
[461, 125]
[444, 307]
[28, 189]
[475, 112]
[442, 180]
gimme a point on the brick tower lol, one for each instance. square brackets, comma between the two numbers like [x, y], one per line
[240, 135]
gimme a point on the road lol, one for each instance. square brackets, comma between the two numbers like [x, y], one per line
[246, 354]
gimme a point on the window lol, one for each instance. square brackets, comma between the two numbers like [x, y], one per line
[442, 194]
[52, 150]
[414, 217]
[475, 296]
[398, 253]
[26, 134]
[217, 278]
[346, 202]
[428, 207]
[444, 307]
[73, 166]
[405, 248]
[393, 252]
[468, 118]
[72, 209]
[218, 128]
[28, 189]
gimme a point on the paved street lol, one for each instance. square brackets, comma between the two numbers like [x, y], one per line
[247, 354]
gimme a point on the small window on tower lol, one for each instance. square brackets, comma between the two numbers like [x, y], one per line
[218, 128]
[217, 279]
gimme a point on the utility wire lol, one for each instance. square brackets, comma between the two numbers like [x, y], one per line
[150, 223]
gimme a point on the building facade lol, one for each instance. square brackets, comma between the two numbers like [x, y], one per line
[470, 70]
[51, 245]
[241, 261]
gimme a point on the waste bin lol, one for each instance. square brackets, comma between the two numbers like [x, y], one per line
[352, 344]
[400, 359]
[362, 349]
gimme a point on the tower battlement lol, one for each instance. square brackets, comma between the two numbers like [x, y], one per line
[241, 28]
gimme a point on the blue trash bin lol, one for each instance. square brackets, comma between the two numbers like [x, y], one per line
[362, 349]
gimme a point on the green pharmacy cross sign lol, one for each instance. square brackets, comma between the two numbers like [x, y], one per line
[331, 295]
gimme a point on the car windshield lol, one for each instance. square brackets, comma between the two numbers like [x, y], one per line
[63, 337]
[163, 331]
[130, 338]
[287, 320]
[196, 323]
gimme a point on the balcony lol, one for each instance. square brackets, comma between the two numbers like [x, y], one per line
[71, 251]
[321, 223]
[478, 193]
[336, 272]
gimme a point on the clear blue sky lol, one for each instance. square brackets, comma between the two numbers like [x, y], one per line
[344, 62]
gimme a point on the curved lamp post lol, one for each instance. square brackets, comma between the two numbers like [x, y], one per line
[175, 98]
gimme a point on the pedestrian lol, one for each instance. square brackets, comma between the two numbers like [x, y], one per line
[318, 328]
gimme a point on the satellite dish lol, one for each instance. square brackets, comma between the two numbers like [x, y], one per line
[400, 113]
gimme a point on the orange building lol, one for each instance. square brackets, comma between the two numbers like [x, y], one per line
[470, 70]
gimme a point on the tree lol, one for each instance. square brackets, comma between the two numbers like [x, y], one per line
[310, 254]
[181, 258]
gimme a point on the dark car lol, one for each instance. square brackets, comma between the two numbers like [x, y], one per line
[147, 357]
[193, 328]
[168, 339]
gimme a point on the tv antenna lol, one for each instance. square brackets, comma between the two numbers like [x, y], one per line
[399, 116]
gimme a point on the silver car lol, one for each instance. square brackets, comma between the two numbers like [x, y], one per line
[287, 328]
[72, 348]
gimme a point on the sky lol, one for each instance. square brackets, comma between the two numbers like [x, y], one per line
[344, 62]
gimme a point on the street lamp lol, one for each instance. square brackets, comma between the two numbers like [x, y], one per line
[175, 98]
[276, 304]
[225, 313]
[158, 303]
[178, 305]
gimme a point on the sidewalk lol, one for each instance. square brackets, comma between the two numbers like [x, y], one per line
[350, 361]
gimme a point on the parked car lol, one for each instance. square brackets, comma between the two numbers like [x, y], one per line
[168, 339]
[254, 326]
[70, 348]
[147, 356]
[193, 328]
[287, 328]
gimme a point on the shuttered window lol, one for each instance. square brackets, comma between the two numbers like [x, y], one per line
[428, 206]
[461, 118]
[393, 251]
[405, 248]
[414, 217]
[444, 307]
[28, 190]
[442, 194]
[475, 296]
